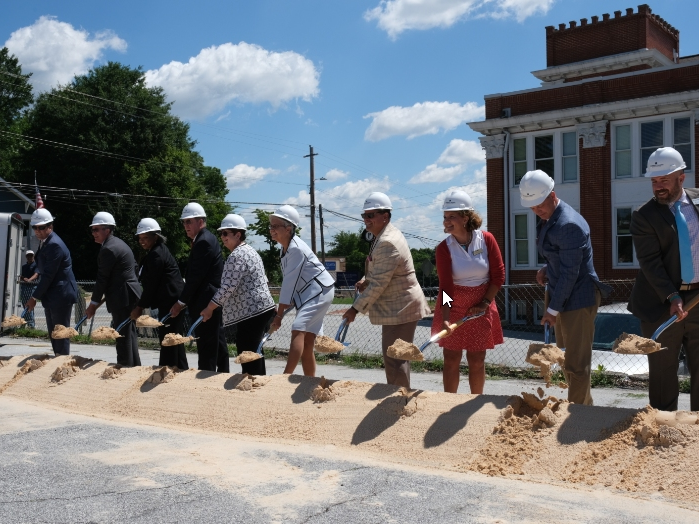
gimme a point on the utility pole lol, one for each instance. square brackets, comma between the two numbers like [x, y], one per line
[322, 236]
[310, 155]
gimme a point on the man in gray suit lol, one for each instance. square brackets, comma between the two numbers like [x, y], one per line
[575, 292]
[665, 233]
[117, 282]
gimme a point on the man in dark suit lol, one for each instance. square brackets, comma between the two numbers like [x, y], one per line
[202, 280]
[57, 288]
[665, 233]
[117, 282]
[574, 290]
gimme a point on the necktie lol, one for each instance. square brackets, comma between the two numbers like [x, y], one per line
[686, 263]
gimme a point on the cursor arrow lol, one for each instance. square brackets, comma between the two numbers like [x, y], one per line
[446, 299]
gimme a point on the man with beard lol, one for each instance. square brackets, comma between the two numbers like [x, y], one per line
[665, 234]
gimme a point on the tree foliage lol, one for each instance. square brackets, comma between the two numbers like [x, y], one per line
[351, 246]
[136, 147]
[15, 97]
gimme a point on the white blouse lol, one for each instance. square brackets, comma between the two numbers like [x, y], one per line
[469, 268]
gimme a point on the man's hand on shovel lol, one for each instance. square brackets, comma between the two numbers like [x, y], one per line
[677, 308]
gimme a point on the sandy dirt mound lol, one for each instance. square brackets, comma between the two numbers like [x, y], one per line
[146, 321]
[173, 339]
[628, 344]
[247, 356]
[31, 364]
[69, 369]
[544, 356]
[403, 350]
[13, 321]
[60, 332]
[162, 375]
[105, 333]
[114, 371]
[325, 344]
[323, 392]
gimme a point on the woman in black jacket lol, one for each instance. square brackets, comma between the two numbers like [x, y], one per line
[162, 285]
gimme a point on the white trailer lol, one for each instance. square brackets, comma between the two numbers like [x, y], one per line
[11, 260]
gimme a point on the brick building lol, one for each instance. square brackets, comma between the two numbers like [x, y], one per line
[614, 90]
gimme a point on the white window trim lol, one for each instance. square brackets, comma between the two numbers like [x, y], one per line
[557, 153]
[513, 312]
[577, 156]
[538, 310]
[615, 251]
[531, 241]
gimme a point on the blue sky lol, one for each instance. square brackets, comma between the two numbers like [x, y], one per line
[382, 90]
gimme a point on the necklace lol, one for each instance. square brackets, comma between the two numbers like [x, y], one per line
[468, 243]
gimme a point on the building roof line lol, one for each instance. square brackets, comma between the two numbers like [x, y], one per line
[7, 185]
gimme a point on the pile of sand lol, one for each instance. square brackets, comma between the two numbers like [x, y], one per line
[13, 321]
[628, 344]
[403, 350]
[146, 321]
[249, 382]
[60, 332]
[30, 365]
[325, 344]
[173, 339]
[247, 356]
[544, 356]
[323, 392]
[105, 333]
[162, 375]
[69, 369]
[114, 371]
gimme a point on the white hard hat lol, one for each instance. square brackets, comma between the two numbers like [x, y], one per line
[233, 221]
[458, 201]
[103, 219]
[147, 225]
[193, 210]
[29, 252]
[40, 217]
[377, 201]
[664, 161]
[534, 187]
[288, 213]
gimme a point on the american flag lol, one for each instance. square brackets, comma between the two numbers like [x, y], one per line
[39, 200]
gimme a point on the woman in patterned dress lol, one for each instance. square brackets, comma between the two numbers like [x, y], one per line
[244, 294]
[471, 272]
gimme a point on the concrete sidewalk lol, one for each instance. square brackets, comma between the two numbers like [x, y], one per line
[426, 381]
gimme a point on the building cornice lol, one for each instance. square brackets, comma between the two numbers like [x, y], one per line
[637, 107]
[494, 146]
[650, 57]
[593, 133]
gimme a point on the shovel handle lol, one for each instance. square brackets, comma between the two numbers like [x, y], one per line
[689, 305]
[458, 323]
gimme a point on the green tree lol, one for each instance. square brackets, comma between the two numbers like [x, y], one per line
[419, 257]
[136, 146]
[351, 246]
[15, 97]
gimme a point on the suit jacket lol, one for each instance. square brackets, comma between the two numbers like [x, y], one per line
[654, 234]
[204, 270]
[564, 241]
[161, 279]
[116, 275]
[57, 286]
[393, 295]
[305, 276]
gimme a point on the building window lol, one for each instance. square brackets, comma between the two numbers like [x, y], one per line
[682, 139]
[570, 156]
[543, 154]
[538, 310]
[519, 311]
[521, 241]
[624, 244]
[520, 158]
[623, 151]
[651, 139]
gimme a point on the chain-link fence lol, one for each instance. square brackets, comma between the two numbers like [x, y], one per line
[520, 306]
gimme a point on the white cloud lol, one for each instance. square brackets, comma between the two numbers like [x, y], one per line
[241, 72]
[424, 118]
[454, 160]
[243, 176]
[336, 174]
[56, 51]
[396, 16]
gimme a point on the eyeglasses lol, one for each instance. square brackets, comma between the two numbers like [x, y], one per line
[275, 226]
[225, 233]
[39, 228]
[96, 229]
[371, 215]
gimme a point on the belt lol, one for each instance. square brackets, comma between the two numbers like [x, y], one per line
[689, 287]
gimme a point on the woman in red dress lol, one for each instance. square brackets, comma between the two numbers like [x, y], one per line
[471, 272]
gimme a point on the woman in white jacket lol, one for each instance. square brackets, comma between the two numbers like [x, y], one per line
[306, 283]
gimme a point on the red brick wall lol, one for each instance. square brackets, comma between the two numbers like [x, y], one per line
[610, 36]
[496, 201]
[596, 92]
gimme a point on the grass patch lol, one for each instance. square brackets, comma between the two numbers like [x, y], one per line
[684, 385]
[599, 378]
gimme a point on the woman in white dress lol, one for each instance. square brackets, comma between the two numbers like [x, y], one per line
[306, 283]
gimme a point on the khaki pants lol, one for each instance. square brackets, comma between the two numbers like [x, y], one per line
[574, 332]
[397, 371]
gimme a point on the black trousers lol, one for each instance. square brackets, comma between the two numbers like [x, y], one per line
[173, 356]
[211, 343]
[663, 386]
[248, 337]
[127, 344]
[59, 315]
